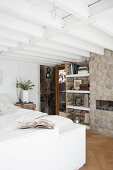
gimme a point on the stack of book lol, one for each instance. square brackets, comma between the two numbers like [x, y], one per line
[83, 70]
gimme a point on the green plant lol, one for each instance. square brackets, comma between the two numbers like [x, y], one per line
[25, 85]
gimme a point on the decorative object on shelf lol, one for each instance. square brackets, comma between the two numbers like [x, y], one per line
[72, 88]
[73, 69]
[86, 118]
[78, 101]
[62, 76]
[48, 74]
[77, 84]
[0, 77]
[25, 87]
[84, 86]
[83, 70]
[76, 120]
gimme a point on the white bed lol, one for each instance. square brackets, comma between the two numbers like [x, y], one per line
[62, 148]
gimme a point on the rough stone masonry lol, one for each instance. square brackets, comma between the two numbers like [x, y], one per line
[101, 88]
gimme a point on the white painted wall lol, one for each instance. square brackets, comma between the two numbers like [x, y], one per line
[27, 71]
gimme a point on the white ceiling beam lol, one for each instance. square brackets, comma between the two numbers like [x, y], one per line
[14, 35]
[101, 27]
[38, 56]
[3, 48]
[30, 12]
[43, 43]
[76, 25]
[32, 58]
[93, 35]
[101, 9]
[78, 8]
[51, 51]
[77, 43]
[44, 55]
[107, 28]
[8, 57]
[7, 42]
[101, 16]
[20, 25]
[61, 47]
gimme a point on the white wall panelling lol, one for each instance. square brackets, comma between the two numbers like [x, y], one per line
[26, 70]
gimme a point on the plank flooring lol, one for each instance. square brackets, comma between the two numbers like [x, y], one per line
[99, 152]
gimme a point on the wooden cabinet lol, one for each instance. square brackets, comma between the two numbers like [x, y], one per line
[27, 106]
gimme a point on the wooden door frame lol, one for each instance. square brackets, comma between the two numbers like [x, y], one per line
[57, 68]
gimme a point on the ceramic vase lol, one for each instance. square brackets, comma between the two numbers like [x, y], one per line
[25, 96]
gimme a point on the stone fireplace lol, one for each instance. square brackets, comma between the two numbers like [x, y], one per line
[104, 105]
[101, 92]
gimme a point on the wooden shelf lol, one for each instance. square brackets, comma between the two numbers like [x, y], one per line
[78, 107]
[62, 91]
[83, 123]
[78, 75]
[79, 91]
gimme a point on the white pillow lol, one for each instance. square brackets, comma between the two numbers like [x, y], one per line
[5, 98]
[27, 116]
[7, 108]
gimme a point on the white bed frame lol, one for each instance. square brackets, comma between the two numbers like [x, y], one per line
[44, 149]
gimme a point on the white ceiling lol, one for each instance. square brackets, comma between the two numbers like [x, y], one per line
[28, 32]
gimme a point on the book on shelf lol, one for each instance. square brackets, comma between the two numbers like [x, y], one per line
[43, 124]
[83, 68]
[82, 71]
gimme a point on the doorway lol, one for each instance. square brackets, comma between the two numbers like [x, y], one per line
[60, 79]
[47, 89]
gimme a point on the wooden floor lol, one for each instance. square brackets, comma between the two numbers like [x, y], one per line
[99, 152]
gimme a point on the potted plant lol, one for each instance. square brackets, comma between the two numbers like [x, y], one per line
[25, 87]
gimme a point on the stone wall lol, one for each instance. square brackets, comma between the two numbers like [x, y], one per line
[101, 87]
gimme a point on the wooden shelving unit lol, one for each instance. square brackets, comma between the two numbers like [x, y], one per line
[69, 106]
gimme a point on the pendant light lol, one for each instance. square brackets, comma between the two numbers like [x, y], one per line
[53, 12]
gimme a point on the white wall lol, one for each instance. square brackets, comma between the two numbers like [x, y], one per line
[27, 71]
